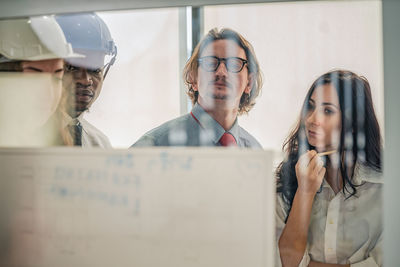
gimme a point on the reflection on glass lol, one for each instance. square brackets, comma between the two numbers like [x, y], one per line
[33, 47]
[295, 42]
[133, 81]
[309, 38]
[63, 83]
[26, 102]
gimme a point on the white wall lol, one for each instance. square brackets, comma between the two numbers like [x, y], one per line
[297, 42]
[141, 90]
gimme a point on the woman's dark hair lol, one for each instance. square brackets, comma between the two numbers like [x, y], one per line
[360, 138]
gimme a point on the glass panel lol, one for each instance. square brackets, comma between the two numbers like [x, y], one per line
[329, 184]
[295, 43]
[142, 89]
[144, 79]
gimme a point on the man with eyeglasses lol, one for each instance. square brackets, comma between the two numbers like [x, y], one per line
[223, 80]
[84, 77]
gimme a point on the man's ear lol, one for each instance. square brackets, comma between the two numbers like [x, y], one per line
[250, 83]
[194, 85]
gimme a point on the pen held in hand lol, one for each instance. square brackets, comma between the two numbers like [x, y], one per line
[326, 153]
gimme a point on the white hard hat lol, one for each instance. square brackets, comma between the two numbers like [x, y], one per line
[34, 38]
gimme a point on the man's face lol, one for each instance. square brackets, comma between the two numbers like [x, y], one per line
[222, 88]
[82, 85]
[52, 66]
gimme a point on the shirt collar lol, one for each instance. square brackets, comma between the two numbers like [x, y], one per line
[208, 123]
[66, 119]
[363, 174]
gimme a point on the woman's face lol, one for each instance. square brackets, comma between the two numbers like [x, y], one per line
[323, 118]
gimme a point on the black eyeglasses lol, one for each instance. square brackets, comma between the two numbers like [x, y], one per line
[232, 64]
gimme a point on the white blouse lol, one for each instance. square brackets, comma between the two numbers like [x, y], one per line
[343, 231]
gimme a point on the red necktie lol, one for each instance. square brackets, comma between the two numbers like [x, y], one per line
[227, 139]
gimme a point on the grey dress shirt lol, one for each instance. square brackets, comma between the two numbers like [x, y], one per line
[197, 128]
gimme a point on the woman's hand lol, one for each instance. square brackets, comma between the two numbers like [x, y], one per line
[310, 171]
[292, 244]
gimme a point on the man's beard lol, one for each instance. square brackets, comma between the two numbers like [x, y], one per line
[220, 97]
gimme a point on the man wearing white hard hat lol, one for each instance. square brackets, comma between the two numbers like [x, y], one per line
[32, 53]
[83, 79]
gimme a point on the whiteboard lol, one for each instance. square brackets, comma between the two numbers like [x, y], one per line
[70, 207]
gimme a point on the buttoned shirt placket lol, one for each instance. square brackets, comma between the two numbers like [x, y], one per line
[331, 228]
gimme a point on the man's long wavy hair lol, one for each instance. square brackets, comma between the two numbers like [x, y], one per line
[360, 138]
[247, 101]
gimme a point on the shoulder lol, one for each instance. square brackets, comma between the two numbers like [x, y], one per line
[247, 139]
[369, 184]
[160, 136]
[94, 136]
[364, 173]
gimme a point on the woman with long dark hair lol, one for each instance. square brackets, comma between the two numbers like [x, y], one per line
[329, 187]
